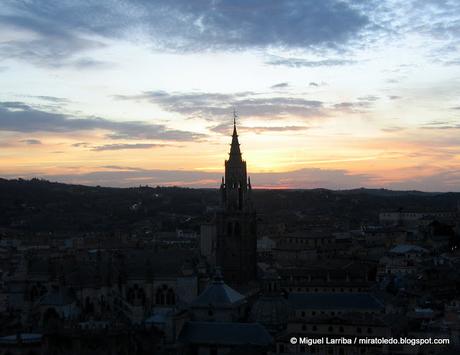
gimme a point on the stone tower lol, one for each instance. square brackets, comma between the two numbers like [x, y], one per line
[236, 220]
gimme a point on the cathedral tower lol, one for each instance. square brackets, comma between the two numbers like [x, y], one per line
[236, 220]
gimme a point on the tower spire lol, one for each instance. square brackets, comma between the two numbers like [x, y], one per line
[235, 152]
[236, 247]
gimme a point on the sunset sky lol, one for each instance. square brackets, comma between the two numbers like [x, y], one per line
[333, 94]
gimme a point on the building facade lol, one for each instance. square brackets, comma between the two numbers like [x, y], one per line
[236, 221]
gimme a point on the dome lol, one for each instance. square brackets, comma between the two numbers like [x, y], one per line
[272, 312]
[218, 294]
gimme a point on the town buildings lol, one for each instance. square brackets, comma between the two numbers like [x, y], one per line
[228, 280]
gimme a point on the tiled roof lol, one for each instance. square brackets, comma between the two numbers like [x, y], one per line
[334, 301]
[405, 248]
[218, 294]
[58, 297]
[224, 333]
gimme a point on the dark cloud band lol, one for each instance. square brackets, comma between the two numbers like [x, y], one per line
[20, 117]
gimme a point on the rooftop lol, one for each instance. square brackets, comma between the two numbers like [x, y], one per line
[218, 293]
[224, 333]
[406, 248]
[334, 301]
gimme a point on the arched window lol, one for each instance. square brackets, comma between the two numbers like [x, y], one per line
[160, 297]
[170, 297]
[50, 317]
[130, 295]
[141, 295]
[33, 293]
[253, 228]
[89, 307]
[237, 229]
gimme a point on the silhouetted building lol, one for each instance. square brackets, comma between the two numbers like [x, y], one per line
[236, 221]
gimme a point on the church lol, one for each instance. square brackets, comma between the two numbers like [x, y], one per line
[235, 222]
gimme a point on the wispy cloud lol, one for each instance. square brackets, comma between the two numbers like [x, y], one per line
[63, 30]
[279, 86]
[393, 129]
[299, 62]
[353, 107]
[81, 144]
[50, 41]
[226, 128]
[440, 125]
[369, 98]
[127, 146]
[124, 176]
[31, 141]
[439, 181]
[20, 117]
[217, 106]
[57, 100]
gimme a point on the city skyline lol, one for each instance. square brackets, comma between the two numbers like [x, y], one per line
[330, 94]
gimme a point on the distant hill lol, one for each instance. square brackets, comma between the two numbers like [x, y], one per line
[43, 206]
[386, 192]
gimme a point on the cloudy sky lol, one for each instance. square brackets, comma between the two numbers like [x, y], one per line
[334, 94]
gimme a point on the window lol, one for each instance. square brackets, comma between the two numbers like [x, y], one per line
[160, 297]
[237, 229]
[253, 228]
[170, 297]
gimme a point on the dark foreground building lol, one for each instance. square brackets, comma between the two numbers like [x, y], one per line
[236, 221]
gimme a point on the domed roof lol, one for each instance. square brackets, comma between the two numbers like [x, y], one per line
[218, 294]
[58, 296]
[272, 312]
